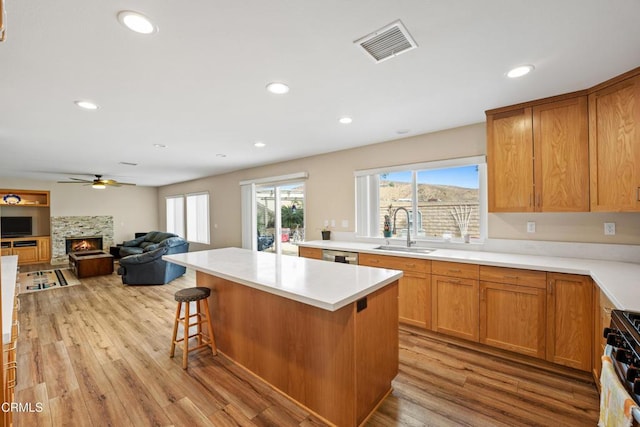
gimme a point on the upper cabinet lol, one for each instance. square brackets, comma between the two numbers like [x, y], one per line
[614, 144]
[36, 198]
[538, 156]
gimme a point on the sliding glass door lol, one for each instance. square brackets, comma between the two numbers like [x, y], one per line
[279, 212]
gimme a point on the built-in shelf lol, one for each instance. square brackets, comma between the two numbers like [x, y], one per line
[36, 198]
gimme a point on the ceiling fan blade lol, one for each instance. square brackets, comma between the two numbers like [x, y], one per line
[75, 182]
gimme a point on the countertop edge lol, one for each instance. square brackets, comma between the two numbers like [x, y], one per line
[9, 275]
[329, 306]
[603, 273]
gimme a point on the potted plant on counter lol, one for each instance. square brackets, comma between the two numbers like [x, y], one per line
[326, 233]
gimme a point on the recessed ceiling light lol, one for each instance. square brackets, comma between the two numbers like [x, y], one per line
[159, 145]
[278, 88]
[136, 22]
[87, 105]
[345, 120]
[259, 144]
[128, 163]
[402, 131]
[221, 155]
[520, 71]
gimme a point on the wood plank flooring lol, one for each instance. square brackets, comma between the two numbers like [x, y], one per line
[97, 355]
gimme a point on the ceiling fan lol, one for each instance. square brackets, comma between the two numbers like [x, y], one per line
[98, 183]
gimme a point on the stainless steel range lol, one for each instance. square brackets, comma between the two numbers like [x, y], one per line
[623, 343]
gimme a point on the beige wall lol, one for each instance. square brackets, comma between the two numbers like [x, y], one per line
[133, 208]
[330, 192]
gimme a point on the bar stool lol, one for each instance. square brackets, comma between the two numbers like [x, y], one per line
[199, 295]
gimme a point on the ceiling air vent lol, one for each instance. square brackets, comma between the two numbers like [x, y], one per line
[387, 42]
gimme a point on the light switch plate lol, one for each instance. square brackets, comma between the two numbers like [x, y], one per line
[609, 228]
[531, 227]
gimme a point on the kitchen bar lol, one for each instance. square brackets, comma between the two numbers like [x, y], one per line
[325, 334]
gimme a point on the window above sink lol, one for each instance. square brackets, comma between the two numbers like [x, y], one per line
[445, 200]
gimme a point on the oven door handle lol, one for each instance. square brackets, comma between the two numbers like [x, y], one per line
[635, 411]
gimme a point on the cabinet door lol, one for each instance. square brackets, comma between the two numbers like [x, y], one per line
[415, 299]
[414, 287]
[614, 146]
[510, 161]
[513, 318]
[569, 320]
[44, 251]
[561, 145]
[26, 255]
[455, 306]
[6, 252]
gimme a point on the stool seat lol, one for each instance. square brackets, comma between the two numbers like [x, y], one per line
[201, 317]
[192, 294]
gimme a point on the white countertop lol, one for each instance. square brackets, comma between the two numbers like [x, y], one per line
[9, 271]
[322, 284]
[620, 281]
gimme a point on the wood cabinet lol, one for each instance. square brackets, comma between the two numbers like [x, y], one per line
[614, 144]
[569, 320]
[315, 253]
[37, 198]
[29, 250]
[513, 309]
[602, 319]
[454, 307]
[537, 155]
[414, 304]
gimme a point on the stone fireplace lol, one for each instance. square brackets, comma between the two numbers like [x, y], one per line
[78, 227]
[80, 244]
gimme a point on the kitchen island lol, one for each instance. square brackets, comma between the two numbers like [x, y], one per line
[325, 334]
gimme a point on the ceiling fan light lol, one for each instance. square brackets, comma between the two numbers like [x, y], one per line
[98, 186]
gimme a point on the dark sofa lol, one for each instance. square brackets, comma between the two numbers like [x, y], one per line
[145, 265]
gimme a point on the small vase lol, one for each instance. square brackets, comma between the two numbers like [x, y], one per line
[386, 233]
[326, 235]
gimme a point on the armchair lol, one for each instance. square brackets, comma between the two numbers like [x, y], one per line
[148, 268]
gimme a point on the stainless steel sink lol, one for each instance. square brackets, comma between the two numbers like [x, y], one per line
[405, 249]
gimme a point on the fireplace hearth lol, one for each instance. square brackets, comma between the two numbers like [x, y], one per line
[83, 243]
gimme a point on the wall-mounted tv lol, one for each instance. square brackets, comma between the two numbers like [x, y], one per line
[16, 226]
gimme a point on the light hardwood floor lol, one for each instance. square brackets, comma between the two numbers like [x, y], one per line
[97, 355]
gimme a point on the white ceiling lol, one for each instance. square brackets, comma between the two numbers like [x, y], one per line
[198, 84]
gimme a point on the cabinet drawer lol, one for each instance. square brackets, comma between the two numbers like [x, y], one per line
[455, 269]
[315, 253]
[513, 276]
[395, 262]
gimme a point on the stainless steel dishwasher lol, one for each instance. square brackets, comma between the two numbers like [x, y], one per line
[340, 256]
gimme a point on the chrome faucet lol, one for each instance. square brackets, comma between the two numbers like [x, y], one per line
[409, 241]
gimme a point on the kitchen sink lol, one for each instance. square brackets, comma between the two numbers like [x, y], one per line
[405, 249]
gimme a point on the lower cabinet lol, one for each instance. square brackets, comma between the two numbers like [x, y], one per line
[548, 316]
[414, 300]
[570, 320]
[454, 307]
[513, 309]
[29, 250]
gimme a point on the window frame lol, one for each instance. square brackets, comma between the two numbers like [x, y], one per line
[184, 212]
[367, 184]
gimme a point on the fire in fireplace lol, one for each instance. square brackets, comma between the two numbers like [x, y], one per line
[79, 244]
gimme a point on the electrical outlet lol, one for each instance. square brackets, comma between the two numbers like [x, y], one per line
[609, 228]
[531, 227]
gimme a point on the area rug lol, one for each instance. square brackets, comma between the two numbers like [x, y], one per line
[35, 281]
